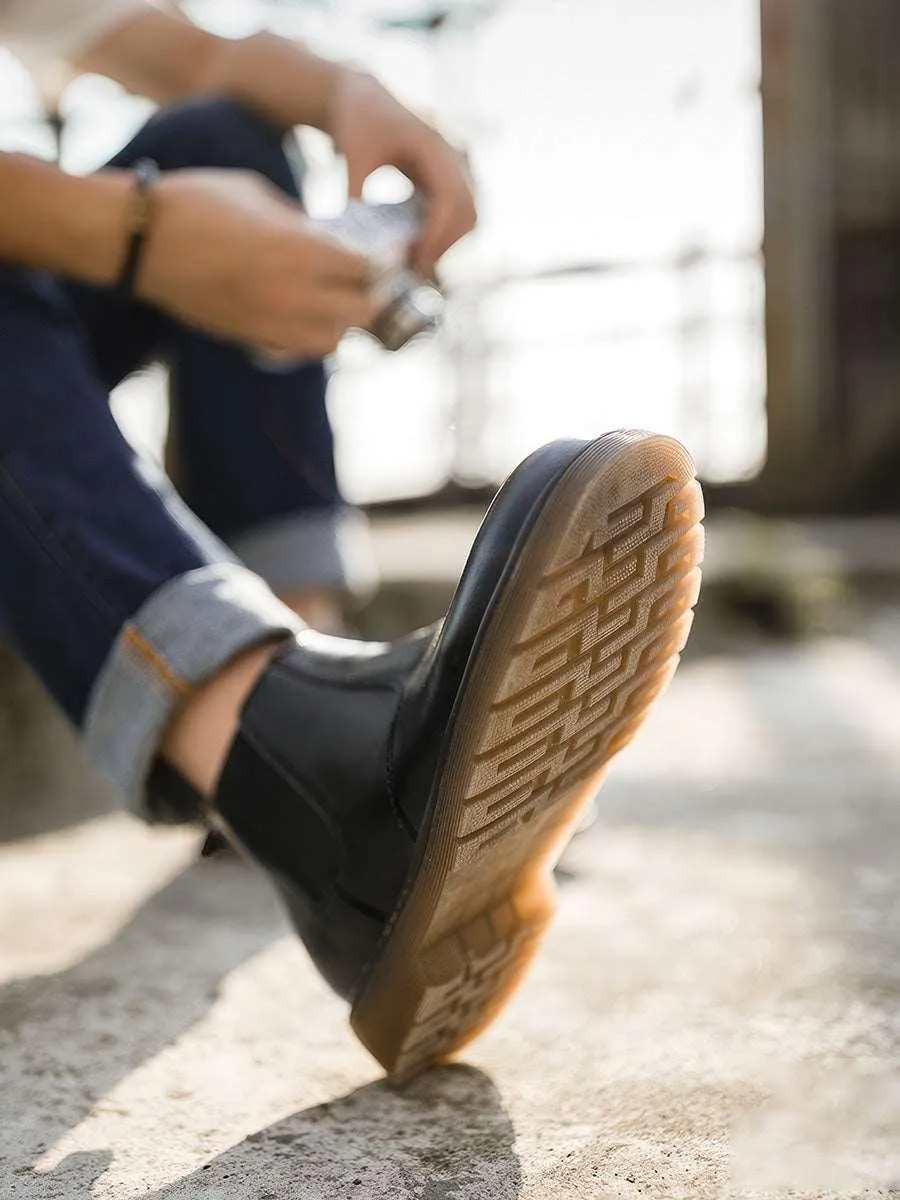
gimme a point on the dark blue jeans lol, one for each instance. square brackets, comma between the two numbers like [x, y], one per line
[116, 593]
[252, 445]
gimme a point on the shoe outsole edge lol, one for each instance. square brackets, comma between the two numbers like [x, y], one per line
[584, 636]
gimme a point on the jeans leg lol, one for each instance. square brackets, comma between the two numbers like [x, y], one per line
[254, 449]
[200, 133]
[120, 599]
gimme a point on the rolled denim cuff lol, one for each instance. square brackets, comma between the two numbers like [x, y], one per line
[328, 548]
[187, 631]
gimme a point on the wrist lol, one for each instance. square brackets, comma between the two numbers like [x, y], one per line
[91, 244]
[70, 224]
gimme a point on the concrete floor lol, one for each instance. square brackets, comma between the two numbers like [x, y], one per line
[716, 1012]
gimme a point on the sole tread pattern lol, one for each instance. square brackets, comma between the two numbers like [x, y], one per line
[466, 970]
[597, 644]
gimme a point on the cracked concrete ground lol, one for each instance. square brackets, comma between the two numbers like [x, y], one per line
[715, 1013]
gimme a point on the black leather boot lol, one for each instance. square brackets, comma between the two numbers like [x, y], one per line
[409, 801]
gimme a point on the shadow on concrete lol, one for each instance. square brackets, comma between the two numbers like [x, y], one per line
[73, 1177]
[67, 1039]
[446, 1135]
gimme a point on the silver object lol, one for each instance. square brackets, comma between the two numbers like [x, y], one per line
[382, 233]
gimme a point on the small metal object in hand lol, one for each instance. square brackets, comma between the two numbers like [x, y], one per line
[407, 305]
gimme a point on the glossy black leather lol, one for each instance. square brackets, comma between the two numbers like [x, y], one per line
[436, 685]
[330, 781]
[306, 791]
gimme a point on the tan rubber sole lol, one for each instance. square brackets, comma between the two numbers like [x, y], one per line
[585, 637]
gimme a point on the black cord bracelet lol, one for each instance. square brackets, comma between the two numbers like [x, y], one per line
[145, 172]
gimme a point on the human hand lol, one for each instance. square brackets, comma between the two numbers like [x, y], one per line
[372, 129]
[229, 254]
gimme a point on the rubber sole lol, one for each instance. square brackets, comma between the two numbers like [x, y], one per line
[584, 637]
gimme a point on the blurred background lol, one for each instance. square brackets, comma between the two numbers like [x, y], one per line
[616, 276]
[688, 223]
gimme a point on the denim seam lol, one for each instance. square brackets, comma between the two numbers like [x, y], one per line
[49, 543]
[151, 657]
[151, 621]
[139, 688]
